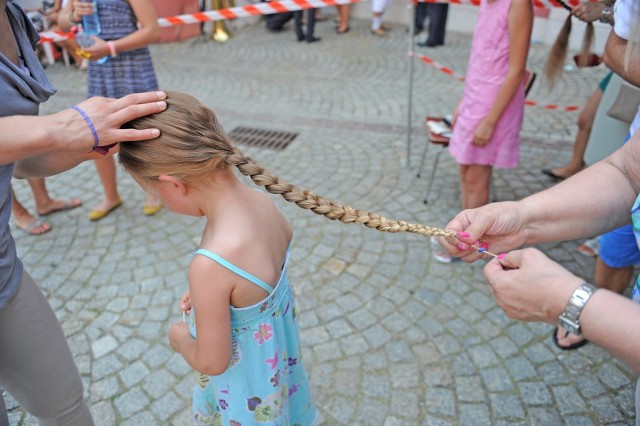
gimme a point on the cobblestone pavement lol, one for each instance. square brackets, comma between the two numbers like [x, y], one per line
[390, 336]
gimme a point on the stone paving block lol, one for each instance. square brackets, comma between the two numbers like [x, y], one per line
[133, 374]
[105, 389]
[130, 402]
[496, 379]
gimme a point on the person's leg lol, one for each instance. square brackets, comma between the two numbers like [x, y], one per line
[106, 168]
[36, 366]
[311, 25]
[297, 21]
[585, 123]
[44, 203]
[618, 254]
[377, 8]
[440, 22]
[475, 181]
[4, 417]
[25, 220]
[421, 16]
[344, 11]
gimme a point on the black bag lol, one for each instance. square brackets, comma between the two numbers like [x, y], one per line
[276, 21]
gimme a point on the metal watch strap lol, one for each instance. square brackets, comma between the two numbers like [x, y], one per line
[606, 15]
[570, 318]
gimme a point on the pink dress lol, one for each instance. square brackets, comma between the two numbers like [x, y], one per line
[487, 69]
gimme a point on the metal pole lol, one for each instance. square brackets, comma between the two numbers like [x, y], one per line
[412, 24]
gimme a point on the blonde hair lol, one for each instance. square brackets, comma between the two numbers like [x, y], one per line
[193, 146]
[558, 53]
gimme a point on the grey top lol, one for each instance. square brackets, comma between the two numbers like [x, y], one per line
[22, 89]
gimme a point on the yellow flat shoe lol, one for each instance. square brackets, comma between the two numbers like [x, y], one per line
[151, 210]
[99, 214]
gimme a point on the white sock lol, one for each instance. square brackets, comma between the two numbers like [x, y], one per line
[376, 23]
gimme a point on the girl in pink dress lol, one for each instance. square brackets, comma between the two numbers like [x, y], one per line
[488, 119]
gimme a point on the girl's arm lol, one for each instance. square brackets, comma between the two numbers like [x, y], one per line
[210, 286]
[145, 13]
[520, 25]
[148, 32]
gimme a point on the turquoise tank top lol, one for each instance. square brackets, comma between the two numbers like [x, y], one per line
[265, 382]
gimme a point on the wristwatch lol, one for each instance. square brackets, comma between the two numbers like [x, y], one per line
[606, 15]
[570, 318]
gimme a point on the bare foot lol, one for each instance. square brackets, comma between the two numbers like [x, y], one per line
[54, 206]
[32, 225]
[567, 341]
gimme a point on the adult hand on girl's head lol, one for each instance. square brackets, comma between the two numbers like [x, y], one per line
[529, 286]
[500, 225]
[106, 116]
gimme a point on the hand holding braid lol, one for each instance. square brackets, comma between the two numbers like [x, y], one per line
[331, 210]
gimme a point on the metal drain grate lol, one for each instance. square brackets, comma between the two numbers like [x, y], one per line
[262, 138]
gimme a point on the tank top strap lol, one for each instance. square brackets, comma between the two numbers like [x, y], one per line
[233, 268]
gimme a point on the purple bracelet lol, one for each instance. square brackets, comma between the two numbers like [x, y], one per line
[97, 148]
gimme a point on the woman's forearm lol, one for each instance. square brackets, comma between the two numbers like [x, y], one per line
[613, 322]
[589, 203]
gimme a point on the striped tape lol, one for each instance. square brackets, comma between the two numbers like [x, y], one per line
[268, 8]
[445, 70]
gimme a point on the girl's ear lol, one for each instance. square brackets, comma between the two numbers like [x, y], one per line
[174, 182]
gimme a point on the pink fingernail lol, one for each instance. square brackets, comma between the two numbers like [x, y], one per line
[462, 247]
[484, 245]
[502, 256]
[463, 234]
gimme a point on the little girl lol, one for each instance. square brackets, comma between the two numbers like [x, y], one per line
[487, 122]
[128, 26]
[241, 306]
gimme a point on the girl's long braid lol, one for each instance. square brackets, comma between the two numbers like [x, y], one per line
[306, 199]
[558, 52]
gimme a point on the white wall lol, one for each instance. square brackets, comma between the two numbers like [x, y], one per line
[462, 19]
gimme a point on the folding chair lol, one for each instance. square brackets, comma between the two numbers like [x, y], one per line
[442, 140]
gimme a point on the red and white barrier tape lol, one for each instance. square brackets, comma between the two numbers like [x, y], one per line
[438, 66]
[537, 4]
[268, 8]
[258, 9]
[450, 72]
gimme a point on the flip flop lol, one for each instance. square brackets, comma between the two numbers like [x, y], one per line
[66, 205]
[99, 214]
[552, 175]
[150, 210]
[33, 226]
[575, 346]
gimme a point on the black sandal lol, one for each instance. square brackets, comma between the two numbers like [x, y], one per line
[575, 346]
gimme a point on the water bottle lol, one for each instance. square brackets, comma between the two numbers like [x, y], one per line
[90, 26]
[91, 23]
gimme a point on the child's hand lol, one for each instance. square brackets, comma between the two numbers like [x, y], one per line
[185, 302]
[99, 49]
[177, 333]
[483, 133]
[81, 8]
